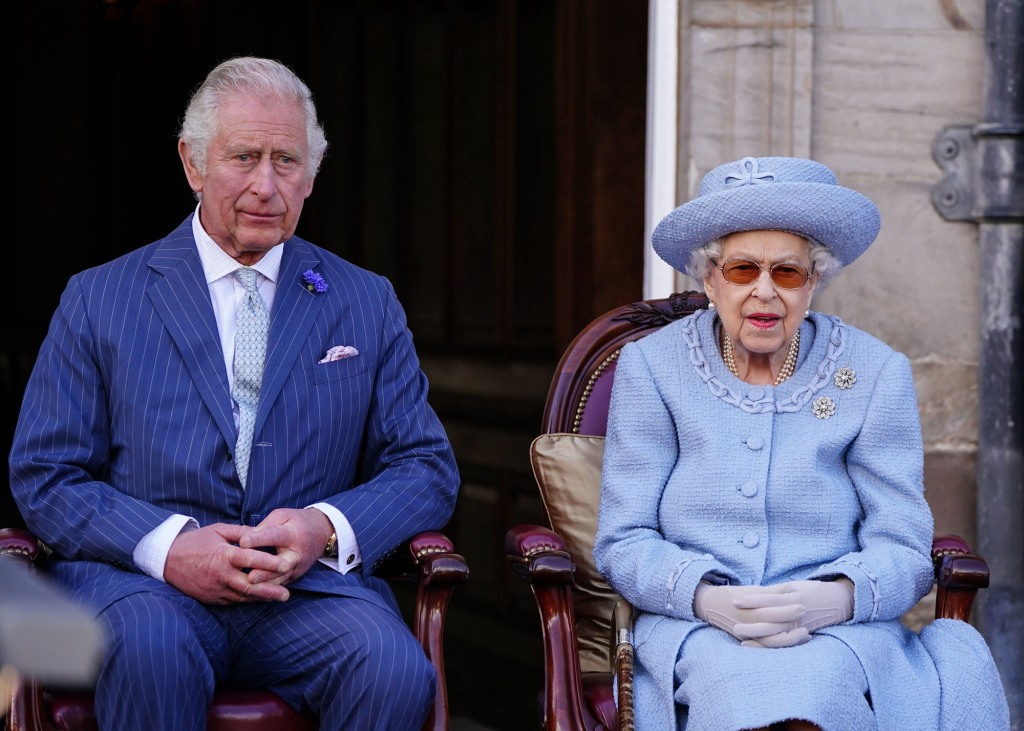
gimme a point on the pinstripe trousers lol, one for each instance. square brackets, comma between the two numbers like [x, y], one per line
[350, 661]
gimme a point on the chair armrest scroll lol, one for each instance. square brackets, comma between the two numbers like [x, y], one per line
[958, 575]
[538, 555]
[426, 557]
[438, 563]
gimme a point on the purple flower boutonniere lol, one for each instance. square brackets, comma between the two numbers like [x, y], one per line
[313, 282]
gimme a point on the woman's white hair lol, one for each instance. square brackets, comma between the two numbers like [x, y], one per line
[248, 76]
[823, 263]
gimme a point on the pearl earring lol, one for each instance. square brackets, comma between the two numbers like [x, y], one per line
[711, 305]
[807, 312]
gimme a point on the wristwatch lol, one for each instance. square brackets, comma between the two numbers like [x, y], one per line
[331, 549]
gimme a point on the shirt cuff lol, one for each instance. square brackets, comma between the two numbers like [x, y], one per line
[150, 554]
[349, 556]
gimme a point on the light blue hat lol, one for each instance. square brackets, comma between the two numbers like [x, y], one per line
[770, 193]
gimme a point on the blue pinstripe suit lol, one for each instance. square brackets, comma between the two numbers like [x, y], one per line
[127, 420]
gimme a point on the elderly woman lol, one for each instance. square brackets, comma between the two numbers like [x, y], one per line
[762, 501]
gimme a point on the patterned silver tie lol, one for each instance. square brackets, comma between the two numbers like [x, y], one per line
[250, 351]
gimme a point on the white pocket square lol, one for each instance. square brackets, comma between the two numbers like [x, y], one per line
[338, 352]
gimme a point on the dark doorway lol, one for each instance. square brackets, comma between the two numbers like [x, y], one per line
[488, 157]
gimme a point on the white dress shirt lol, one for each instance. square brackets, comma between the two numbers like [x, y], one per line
[226, 292]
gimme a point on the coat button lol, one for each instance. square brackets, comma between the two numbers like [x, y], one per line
[755, 394]
[754, 442]
[750, 539]
[749, 489]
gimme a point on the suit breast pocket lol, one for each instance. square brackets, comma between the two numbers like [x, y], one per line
[338, 369]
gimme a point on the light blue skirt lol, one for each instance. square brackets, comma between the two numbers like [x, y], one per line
[878, 676]
[725, 686]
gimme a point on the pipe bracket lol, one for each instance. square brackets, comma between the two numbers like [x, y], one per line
[984, 173]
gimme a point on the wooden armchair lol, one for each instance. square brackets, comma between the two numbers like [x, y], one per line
[429, 560]
[586, 627]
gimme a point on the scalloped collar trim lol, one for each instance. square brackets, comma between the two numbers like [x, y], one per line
[821, 376]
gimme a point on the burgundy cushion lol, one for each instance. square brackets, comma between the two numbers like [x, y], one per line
[72, 711]
[948, 543]
[594, 419]
[255, 710]
[232, 710]
[597, 689]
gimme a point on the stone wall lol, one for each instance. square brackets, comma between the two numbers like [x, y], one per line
[863, 87]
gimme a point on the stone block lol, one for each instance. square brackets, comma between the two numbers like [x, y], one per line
[916, 15]
[950, 479]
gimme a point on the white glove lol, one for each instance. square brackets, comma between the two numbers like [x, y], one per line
[726, 607]
[789, 638]
[825, 603]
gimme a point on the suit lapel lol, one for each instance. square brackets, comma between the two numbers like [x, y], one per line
[295, 310]
[181, 298]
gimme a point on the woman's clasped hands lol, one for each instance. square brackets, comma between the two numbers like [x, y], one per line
[782, 615]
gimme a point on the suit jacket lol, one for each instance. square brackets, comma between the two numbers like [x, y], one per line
[127, 418]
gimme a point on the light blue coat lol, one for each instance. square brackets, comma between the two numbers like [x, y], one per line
[818, 477]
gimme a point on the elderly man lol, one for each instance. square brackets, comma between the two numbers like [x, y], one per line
[224, 435]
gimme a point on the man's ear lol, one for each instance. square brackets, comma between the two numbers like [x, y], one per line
[195, 178]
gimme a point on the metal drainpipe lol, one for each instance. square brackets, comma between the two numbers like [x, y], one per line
[985, 183]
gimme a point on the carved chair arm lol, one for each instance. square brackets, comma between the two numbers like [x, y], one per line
[539, 556]
[958, 574]
[428, 557]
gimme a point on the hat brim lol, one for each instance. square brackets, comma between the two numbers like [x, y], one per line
[841, 219]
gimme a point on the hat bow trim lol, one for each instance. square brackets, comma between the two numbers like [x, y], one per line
[749, 175]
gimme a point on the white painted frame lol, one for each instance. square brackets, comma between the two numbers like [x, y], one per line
[662, 138]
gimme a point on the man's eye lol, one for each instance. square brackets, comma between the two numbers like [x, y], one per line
[244, 157]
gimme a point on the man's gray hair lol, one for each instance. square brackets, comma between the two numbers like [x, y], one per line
[248, 76]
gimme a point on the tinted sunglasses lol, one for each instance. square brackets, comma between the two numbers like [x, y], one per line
[744, 271]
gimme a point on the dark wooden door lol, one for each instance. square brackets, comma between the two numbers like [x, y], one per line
[488, 157]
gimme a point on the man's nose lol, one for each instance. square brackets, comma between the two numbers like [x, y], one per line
[264, 179]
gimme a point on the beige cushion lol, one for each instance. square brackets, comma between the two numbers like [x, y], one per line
[568, 472]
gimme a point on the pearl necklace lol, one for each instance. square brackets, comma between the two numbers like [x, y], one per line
[787, 368]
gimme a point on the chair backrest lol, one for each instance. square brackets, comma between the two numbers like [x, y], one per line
[577, 401]
[567, 456]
